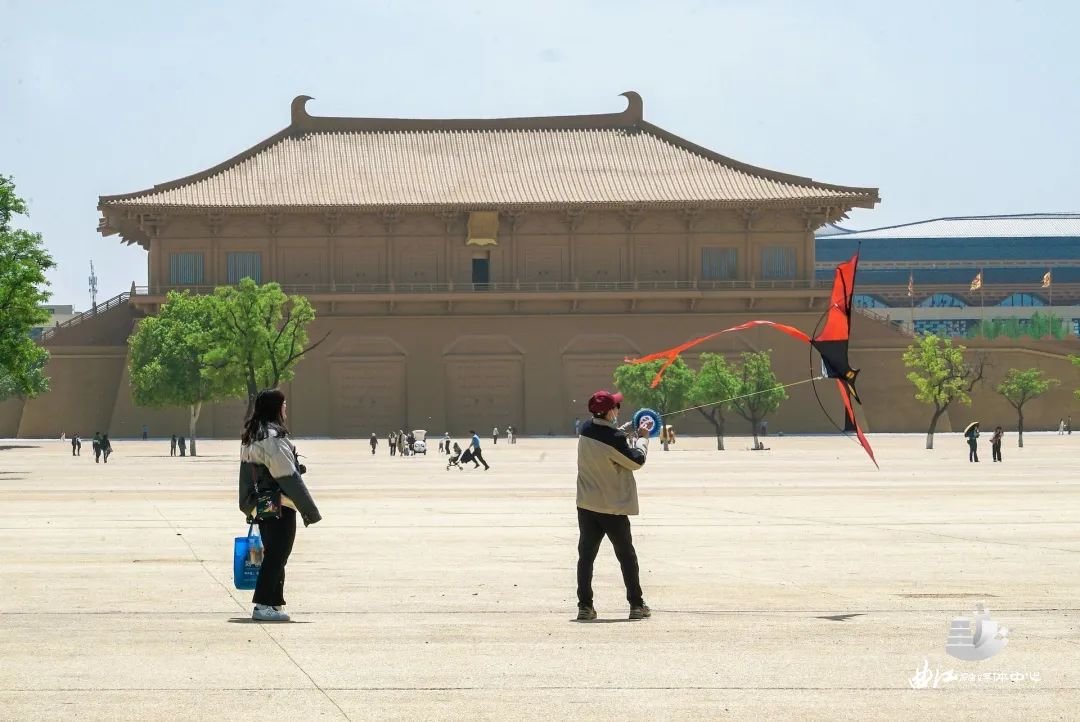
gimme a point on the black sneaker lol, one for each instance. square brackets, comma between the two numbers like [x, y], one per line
[642, 612]
[586, 614]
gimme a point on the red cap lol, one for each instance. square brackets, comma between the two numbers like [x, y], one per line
[602, 402]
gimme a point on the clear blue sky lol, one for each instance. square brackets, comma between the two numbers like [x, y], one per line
[957, 107]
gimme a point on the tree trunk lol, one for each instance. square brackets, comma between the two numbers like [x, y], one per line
[717, 422]
[1020, 429]
[933, 426]
[193, 419]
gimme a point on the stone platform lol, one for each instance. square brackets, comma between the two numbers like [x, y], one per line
[796, 583]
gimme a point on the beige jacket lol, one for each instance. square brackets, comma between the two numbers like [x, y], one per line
[607, 460]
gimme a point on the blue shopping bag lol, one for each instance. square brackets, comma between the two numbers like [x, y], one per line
[247, 559]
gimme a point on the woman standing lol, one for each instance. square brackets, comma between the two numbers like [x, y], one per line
[995, 443]
[272, 491]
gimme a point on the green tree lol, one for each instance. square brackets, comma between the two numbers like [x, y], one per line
[941, 376]
[260, 333]
[1020, 386]
[170, 359]
[715, 383]
[758, 393]
[23, 288]
[634, 381]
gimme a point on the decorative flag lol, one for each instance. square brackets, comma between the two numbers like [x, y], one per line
[1046, 280]
[976, 283]
[911, 284]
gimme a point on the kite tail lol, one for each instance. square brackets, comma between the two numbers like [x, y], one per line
[846, 396]
[671, 354]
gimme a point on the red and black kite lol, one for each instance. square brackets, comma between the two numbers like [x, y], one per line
[831, 343]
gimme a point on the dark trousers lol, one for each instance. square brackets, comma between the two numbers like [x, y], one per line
[97, 454]
[592, 528]
[478, 456]
[973, 451]
[172, 450]
[997, 451]
[277, 538]
[373, 449]
[393, 448]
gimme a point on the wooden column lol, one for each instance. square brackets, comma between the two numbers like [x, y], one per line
[749, 216]
[691, 216]
[573, 220]
[390, 220]
[631, 217]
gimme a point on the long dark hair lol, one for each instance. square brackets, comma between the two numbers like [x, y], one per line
[266, 413]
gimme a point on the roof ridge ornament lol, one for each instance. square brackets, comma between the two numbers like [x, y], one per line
[299, 112]
[301, 120]
[635, 108]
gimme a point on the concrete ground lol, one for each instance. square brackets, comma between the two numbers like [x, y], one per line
[796, 583]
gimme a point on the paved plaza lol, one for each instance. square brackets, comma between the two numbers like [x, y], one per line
[796, 583]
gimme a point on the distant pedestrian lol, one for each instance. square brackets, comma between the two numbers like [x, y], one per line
[972, 436]
[97, 447]
[446, 443]
[1068, 426]
[172, 445]
[106, 448]
[76, 445]
[511, 435]
[401, 442]
[495, 435]
[1061, 427]
[374, 442]
[478, 455]
[182, 444]
[145, 432]
[995, 443]
[391, 440]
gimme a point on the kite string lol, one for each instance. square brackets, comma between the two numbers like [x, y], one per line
[752, 393]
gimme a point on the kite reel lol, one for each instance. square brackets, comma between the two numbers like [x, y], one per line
[649, 420]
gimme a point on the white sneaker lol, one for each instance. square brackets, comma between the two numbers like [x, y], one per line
[263, 613]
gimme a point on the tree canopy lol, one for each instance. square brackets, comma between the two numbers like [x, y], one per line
[941, 376]
[170, 359]
[1020, 386]
[259, 333]
[715, 383]
[23, 289]
[634, 381]
[758, 393]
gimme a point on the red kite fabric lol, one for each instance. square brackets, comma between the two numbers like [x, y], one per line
[831, 343]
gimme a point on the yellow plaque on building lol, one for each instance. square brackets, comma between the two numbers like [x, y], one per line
[483, 228]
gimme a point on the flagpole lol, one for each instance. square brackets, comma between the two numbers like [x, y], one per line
[982, 294]
[911, 299]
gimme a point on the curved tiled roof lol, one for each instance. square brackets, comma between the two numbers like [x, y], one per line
[572, 160]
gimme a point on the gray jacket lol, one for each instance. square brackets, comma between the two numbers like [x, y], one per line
[607, 459]
[273, 461]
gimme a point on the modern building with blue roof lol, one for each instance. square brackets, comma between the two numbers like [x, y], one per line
[942, 257]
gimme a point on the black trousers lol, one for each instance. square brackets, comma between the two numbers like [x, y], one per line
[997, 451]
[973, 451]
[592, 528]
[278, 536]
[479, 456]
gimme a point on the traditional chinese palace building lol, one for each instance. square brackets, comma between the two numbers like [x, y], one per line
[476, 273]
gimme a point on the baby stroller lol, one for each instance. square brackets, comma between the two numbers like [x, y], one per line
[459, 457]
[419, 445]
